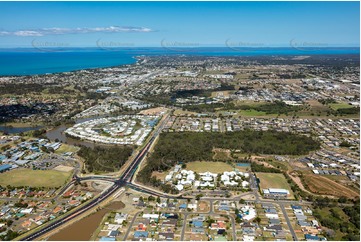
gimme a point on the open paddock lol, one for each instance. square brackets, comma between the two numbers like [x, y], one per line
[34, 178]
[204, 166]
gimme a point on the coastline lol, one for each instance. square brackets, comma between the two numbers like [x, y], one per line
[26, 62]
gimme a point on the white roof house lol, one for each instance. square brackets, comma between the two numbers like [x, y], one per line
[224, 177]
[206, 184]
[191, 177]
[177, 168]
[192, 205]
[168, 177]
[207, 178]
[26, 211]
[230, 183]
[186, 182]
[248, 238]
[271, 215]
[251, 214]
[119, 218]
[245, 183]
[150, 215]
[179, 187]
[208, 174]
[315, 223]
[197, 184]
[229, 173]
[184, 172]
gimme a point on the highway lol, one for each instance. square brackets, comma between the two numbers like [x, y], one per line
[124, 179]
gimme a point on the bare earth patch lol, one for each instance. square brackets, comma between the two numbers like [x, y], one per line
[159, 175]
[64, 168]
[222, 154]
[323, 185]
[153, 111]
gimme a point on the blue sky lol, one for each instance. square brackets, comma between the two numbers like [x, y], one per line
[179, 24]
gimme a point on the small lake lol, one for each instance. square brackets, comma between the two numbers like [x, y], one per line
[83, 229]
[17, 130]
[58, 133]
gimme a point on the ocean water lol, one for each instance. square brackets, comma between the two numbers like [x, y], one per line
[34, 61]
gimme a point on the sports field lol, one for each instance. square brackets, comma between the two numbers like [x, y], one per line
[203, 166]
[34, 178]
[273, 180]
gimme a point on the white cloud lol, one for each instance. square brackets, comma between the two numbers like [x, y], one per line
[60, 31]
[26, 33]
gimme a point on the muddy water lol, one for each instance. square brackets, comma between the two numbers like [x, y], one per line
[15, 130]
[83, 229]
[58, 133]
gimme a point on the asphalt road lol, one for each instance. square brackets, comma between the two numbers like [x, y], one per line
[294, 237]
[131, 225]
[184, 227]
[122, 181]
[126, 179]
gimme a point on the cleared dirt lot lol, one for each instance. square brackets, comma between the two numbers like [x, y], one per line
[325, 186]
[63, 168]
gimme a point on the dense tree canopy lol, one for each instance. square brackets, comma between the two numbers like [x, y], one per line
[104, 159]
[184, 147]
[277, 107]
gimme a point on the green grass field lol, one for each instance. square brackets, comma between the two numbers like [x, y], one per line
[284, 166]
[34, 178]
[325, 212]
[253, 112]
[249, 103]
[274, 180]
[336, 106]
[203, 166]
[66, 148]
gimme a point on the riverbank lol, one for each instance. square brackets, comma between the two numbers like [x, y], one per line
[82, 230]
[17, 128]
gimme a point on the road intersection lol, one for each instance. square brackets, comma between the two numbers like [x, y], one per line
[126, 181]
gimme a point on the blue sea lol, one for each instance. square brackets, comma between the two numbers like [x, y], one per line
[34, 61]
